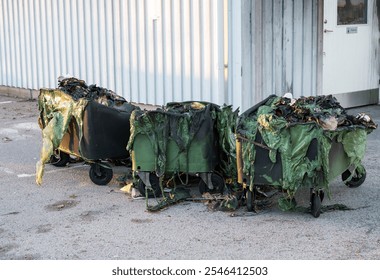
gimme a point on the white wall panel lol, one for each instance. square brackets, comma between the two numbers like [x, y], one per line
[280, 49]
[235, 53]
[150, 51]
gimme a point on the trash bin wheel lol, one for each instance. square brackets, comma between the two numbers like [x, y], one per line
[217, 182]
[356, 179]
[59, 158]
[101, 174]
[316, 204]
[250, 199]
[321, 194]
[155, 185]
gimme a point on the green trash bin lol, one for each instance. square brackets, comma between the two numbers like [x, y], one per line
[288, 146]
[180, 139]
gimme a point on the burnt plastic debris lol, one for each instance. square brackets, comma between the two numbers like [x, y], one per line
[77, 89]
[319, 109]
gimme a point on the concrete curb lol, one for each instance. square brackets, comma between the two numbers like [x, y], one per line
[22, 93]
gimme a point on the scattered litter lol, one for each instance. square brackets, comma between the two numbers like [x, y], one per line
[141, 221]
[127, 188]
[6, 139]
[11, 213]
[61, 205]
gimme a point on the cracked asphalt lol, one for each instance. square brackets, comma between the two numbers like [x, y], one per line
[69, 217]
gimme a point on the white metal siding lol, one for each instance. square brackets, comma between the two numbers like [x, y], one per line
[156, 51]
[280, 48]
[149, 51]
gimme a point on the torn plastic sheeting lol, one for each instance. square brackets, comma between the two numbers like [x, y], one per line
[224, 126]
[56, 111]
[153, 124]
[176, 195]
[353, 140]
[289, 128]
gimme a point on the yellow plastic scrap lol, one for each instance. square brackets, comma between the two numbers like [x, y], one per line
[197, 105]
[330, 123]
[265, 121]
[56, 111]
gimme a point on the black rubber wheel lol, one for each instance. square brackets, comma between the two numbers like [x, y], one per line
[315, 205]
[356, 179]
[217, 181]
[155, 185]
[101, 174]
[249, 197]
[59, 158]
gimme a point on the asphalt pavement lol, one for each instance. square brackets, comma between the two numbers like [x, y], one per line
[69, 217]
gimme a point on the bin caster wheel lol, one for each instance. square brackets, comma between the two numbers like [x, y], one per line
[101, 174]
[316, 204]
[155, 185]
[321, 195]
[250, 198]
[217, 182]
[59, 158]
[356, 180]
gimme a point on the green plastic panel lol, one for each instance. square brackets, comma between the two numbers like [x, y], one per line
[200, 157]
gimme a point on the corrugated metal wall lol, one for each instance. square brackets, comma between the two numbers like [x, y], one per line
[150, 51]
[281, 48]
[156, 51]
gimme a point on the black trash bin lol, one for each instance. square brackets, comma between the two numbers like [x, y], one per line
[95, 132]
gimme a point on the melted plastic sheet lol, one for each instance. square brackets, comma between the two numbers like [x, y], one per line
[293, 128]
[56, 111]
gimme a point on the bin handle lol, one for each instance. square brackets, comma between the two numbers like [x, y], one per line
[255, 143]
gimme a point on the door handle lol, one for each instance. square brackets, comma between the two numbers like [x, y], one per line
[326, 30]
